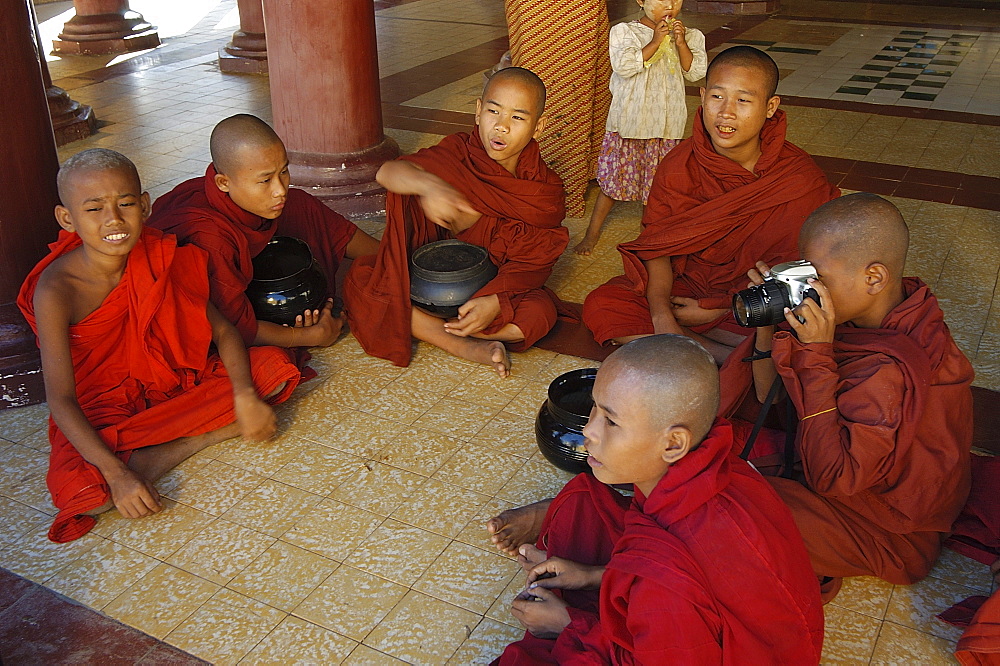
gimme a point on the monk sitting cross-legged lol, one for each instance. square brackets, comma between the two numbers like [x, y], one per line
[489, 188]
[125, 325]
[733, 193]
[703, 566]
[881, 396]
[237, 207]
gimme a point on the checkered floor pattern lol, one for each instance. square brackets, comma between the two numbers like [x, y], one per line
[917, 62]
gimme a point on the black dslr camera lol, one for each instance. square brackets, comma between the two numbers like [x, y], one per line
[785, 287]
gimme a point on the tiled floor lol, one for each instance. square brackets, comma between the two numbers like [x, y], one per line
[357, 535]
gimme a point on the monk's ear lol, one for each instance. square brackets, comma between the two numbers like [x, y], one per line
[877, 276]
[144, 205]
[222, 182]
[676, 441]
[701, 93]
[64, 218]
[772, 105]
[479, 108]
[539, 127]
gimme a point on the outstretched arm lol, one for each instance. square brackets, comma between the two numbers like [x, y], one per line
[316, 328]
[659, 286]
[443, 204]
[361, 245]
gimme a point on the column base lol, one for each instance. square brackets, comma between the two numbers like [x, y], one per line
[20, 364]
[71, 121]
[246, 53]
[105, 34]
[345, 182]
[735, 7]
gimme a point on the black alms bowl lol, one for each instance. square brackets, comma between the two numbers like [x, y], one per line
[445, 274]
[561, 419]
[286, 281]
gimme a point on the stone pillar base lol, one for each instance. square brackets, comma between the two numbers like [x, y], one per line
[735, 7]
[346, 182]
[71, 121]
[103, 34]
[246, 53]
[20, 365]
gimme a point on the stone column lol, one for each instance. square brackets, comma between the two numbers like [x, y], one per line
[246, 53]
[26, 220]
[102, 27]
[325, 99]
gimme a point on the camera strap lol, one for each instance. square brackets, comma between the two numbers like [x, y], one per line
[789, 452]
[759, 423]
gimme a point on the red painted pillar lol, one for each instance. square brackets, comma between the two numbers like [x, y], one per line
[246, 53]
[325, 99]
[26, 220]
[105, 26]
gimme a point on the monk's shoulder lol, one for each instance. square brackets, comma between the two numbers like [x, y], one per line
[63, 292]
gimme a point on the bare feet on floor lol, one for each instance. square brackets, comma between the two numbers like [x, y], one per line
[528, 556]
[586, 246]
[515, 527]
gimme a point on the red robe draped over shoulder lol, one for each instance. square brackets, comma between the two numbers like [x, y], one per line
[716, 220]
[201, 214]
[142, 368]
[521, 228]
[709, 569]
[980, 643]
[886, 471]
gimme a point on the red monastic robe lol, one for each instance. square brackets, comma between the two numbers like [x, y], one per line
[716, 220]
[201, 214]
[709, 569]
[142, 367]
[980, 643]
[886, 472]
[521, 228]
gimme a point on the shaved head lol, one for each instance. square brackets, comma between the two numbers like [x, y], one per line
[236, 133]
[674, 377]
[859, 229]
[750, 58]
[522, 76]
[93, 159]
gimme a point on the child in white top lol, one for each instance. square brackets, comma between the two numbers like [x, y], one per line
[650, 59]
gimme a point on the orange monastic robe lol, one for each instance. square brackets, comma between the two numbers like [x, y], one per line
[143, 369]
[885, 450]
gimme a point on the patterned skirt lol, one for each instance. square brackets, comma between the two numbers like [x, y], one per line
[625, 167]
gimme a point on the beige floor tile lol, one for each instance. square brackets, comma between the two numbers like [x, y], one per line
[456, 418]
[866, 595]
[500, 610]
[18, 520]
[23, 421]
[261, 458]
[509, 433]
[161, 600]
[350, 602]
[480, 467]
[532, 396]
[475, 533]
[420, 450]
[225, 628]
[283, 576]
[216, 488]
[36, 558]
[272, 508]
[361, 434]
[486, 643]
[333, 529]
[564, 363]
[468, 577]
[537, 480]
[32, 492]
[379, 488]
[849, 637]
[38, 440]
[167, 483]
[440, 508]
[484, 389]
[296, 641]
[529, 363]
[400, 403]
[398, 552]
[962, 570]
[221, 551]
[432, 372]
[161, 534]
[20, 465]
[101, 574]
[319, 469]
[915, 606]
[423, 630]
[901, 645]
[365, 656]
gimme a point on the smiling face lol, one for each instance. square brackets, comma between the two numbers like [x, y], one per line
[735, 105]
[508, 117]
[106, 208]
[657, 10]
[258, 183]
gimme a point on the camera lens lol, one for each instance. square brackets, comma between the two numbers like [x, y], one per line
[761, 305]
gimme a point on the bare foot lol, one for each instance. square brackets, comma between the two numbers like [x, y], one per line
[586, 246]
[528, 556]
[498, 358]
[515, 527]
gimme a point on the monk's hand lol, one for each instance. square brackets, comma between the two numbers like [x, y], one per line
[134, 496]
[447, 207]
[541, 612]
[688, 312]
[474, 315]
[757, 274]
[320, 327]
[560, 574]
[811, 321]
[255, 417]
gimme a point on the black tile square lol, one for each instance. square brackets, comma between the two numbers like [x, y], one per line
[792, 49]
[936, 72]
[907, 40]
[924, 56]
[949, 63]
[852, 90]
[914, 32]
[926, 45]
[902, 75]
[878, 68]
[911, 65]
[890, 47]
[965, 44]
[888, 57]
[929, 84]
[752, 42]
[868, 79]
[927, 97]
[951, 52]
[972, 37]
[891, 86]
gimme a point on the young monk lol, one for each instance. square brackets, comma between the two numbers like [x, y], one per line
[124, 325]
[734, 192]
[490, 188]
[882, 397]
[704, 566]
[237, 207]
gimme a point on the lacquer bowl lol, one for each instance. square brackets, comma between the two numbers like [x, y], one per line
[561, 419]
[445, 274]
[286, 281]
